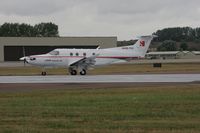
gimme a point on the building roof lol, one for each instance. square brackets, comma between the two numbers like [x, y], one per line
[185, 52]
[196, 52]
[164, 53]
[104, 42]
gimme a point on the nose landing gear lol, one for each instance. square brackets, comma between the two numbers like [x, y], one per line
[44, 73]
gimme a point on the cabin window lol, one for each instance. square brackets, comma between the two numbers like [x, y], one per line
[84, 54]
[54, 52]
[93, 53]
[71, 54]
[77, 54]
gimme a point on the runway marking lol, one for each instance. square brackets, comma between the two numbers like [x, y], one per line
[148, 78]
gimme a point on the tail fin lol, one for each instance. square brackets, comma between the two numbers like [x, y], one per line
[142, 45]
[140, 48]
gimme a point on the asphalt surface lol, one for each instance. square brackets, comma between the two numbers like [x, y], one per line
[144, 78]
[20, 63]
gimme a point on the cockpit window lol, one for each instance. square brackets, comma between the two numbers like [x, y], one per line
[54, 52]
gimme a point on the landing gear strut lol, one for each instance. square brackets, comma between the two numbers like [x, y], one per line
[44, 73]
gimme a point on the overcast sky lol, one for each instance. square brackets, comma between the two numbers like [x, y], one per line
[122, 18]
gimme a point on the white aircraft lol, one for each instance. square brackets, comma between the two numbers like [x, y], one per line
[79, 60]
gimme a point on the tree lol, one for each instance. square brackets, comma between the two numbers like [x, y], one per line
[25, 30]
[5, 29]
[178, 34]
[183, 46]
[125, 43]
[168, 45]
[46, 30]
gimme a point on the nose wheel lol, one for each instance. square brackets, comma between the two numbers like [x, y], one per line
[44, 73]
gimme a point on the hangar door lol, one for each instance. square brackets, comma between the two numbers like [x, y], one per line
[13, 53]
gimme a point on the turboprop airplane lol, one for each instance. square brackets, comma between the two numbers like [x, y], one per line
[80, 60]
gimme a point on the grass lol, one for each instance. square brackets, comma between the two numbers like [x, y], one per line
[140, 109]
[112, 69]
[148, 68]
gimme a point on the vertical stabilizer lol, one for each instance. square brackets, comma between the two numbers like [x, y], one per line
[142, 45]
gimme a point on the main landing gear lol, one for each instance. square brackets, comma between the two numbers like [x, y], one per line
[83, 72]
[74, 72]
[71, 71]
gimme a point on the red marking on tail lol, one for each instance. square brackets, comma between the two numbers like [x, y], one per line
[142, 43]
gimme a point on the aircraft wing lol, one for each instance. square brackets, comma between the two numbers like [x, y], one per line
[85, 62]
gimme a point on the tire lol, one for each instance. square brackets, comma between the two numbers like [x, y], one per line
[73, 72]
[83, 72]
[43, 73]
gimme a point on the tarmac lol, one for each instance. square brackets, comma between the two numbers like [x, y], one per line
[20, 63]
[143, 78]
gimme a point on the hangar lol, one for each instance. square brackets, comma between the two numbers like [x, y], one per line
[11, 48]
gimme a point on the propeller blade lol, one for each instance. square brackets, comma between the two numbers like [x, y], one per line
[24, 62]
[24, 54]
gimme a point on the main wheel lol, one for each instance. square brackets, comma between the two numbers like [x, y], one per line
[44, 73]
[83, 72]
[73, 72]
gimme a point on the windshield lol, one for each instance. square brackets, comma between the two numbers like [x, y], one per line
[54, 52]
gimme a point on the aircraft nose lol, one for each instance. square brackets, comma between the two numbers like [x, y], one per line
[22, 58]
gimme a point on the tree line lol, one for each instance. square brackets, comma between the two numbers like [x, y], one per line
[179, 34]
[173, 39]
[184, 35]
[26, 30]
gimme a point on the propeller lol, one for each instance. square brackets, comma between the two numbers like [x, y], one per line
[24, 58]
[24, 54]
